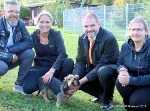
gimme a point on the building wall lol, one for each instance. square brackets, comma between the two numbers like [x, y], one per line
[36, 10]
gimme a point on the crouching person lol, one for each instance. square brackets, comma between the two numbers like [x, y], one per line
[96, 61]
[133, 81]
[15, 44]
[51, 58]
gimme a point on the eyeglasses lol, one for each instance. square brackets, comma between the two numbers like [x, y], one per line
[12, 12]
[138, 29]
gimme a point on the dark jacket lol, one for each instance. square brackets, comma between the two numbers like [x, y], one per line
[21, 38]
[51, 55]
[137, 62]
[104, 52]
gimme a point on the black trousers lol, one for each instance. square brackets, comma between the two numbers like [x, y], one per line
[135, 98]
[103, 85]
[30, 83]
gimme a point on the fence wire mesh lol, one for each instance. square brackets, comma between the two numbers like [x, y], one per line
[113, 18]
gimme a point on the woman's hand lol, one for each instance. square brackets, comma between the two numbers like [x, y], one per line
[47, 77]
[124, 77]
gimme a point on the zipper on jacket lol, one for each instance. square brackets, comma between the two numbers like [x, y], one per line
[134, 55]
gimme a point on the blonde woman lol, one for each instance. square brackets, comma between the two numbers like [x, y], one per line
[51, 58]
[133, 81]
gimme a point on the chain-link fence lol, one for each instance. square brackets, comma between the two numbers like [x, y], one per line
[113, 18]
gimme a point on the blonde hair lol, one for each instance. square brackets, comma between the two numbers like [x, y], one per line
[44, 13]
[139, 20]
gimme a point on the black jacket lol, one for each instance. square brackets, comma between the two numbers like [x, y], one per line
[137, 63]
[52, 54]
[104, 52]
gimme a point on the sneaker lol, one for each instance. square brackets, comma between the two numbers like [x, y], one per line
[97, 100]
[19, 89]
[107, 107]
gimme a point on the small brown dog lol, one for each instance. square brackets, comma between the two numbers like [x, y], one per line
[58, 88]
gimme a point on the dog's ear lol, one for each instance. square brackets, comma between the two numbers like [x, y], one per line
[65, 79]
[78, 81]
[64, 86]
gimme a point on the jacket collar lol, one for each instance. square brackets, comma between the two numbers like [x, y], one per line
[37, 32]
[4, 22]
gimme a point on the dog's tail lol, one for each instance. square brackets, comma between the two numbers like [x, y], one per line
[41, 86]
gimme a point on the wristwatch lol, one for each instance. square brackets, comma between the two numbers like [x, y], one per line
[52, 71]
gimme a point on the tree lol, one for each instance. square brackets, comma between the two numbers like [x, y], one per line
[117, 2]
[120, 10]
[56, 9]
[103, 2]
[76, 1]
[1, 5]
[24, 12]
[145, 13]
[26, 2]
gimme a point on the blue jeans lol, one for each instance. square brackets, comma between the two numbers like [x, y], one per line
[30, 84]
[25, 60]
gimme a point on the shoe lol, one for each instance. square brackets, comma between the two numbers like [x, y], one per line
[19, 89]
[97, 100]
[106, 107]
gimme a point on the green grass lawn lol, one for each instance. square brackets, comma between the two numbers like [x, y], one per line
[80, 101]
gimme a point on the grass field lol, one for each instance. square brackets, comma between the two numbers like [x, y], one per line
[80, 101]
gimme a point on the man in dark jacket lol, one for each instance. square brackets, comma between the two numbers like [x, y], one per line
[15, 43]
[97, 71]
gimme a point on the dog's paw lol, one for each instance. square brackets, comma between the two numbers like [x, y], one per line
[67, 101]
[58, 104]
[50, 97]
[46, 99]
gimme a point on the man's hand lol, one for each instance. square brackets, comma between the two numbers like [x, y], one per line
[15, 58]
[7, 50]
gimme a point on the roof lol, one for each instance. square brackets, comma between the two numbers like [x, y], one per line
[39, 4]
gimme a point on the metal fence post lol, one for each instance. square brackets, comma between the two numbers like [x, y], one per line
[104, 16]
[63, 21]
[113, 18]
[74, 26]
[127, 18]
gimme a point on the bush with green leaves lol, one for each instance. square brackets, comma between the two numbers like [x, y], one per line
[56, 9]
[24, 12]
[145, 13]
[120, 13]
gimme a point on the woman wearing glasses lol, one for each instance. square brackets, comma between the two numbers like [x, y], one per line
[133, 81]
